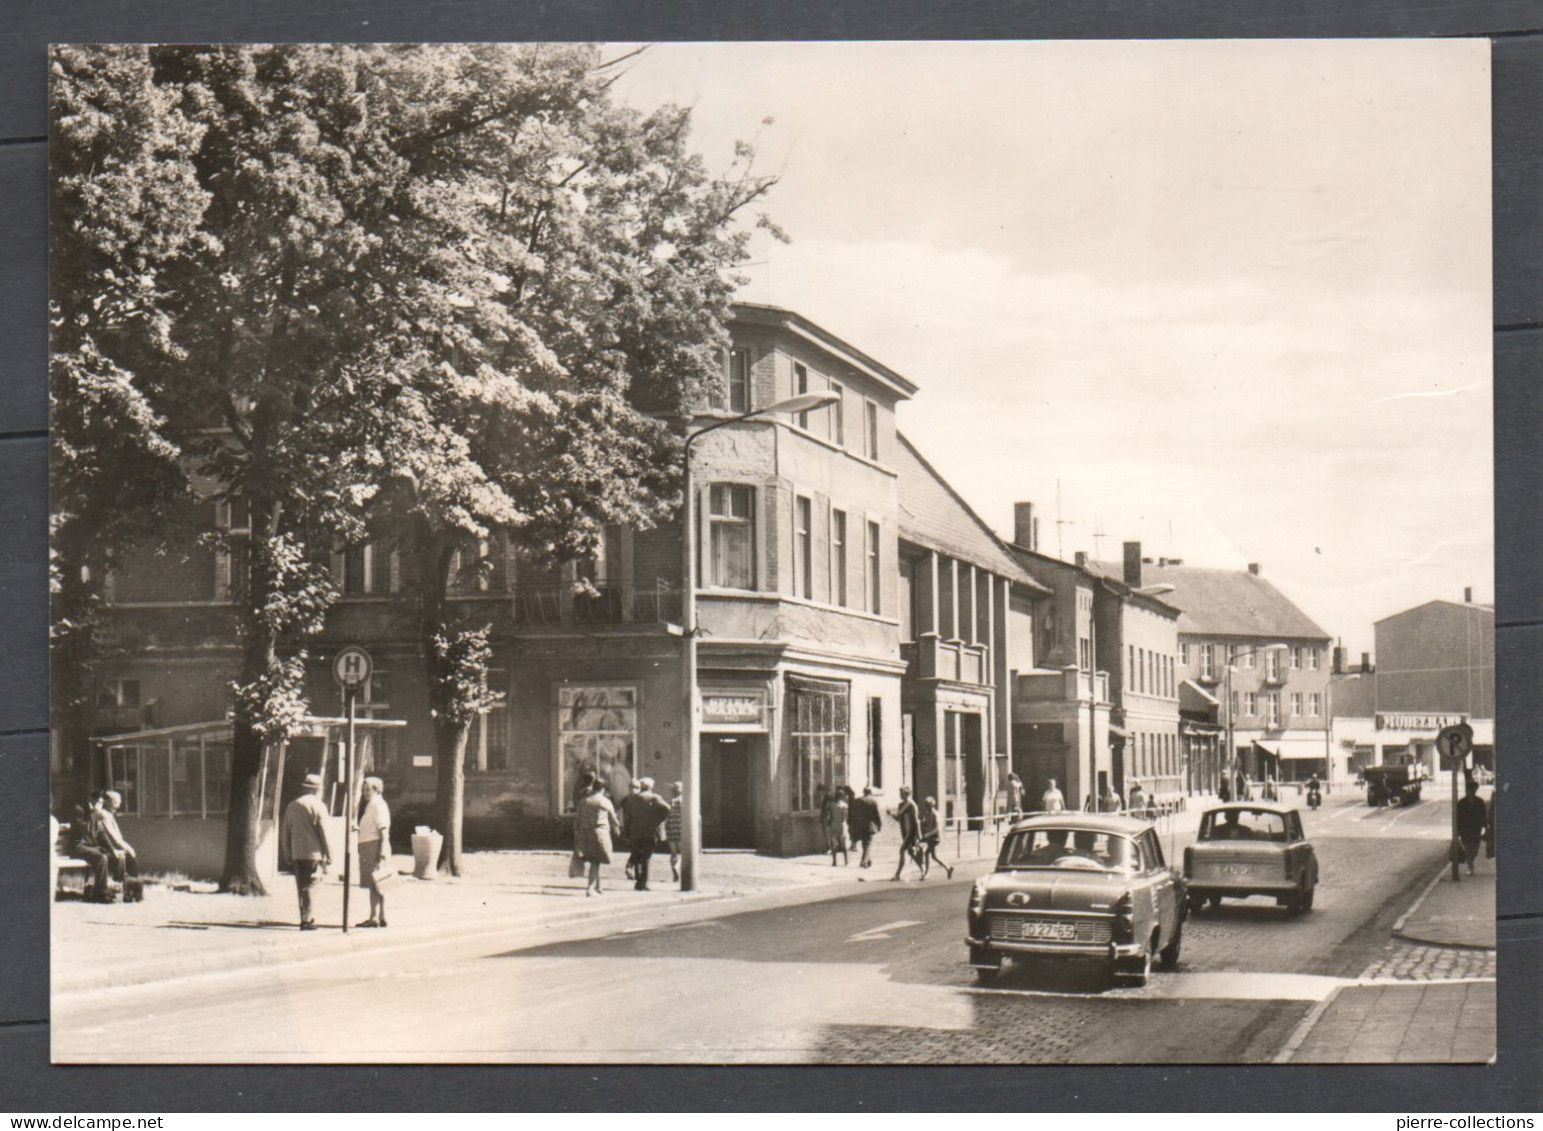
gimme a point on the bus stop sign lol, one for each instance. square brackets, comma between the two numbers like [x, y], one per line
[1453, 744]
[352, 667]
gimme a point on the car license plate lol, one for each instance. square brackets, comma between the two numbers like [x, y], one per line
[1237, 869]
[1064, 931]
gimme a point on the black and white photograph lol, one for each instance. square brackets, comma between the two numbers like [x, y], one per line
[837, 553]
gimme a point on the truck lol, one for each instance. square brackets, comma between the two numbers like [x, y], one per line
[1393, 785]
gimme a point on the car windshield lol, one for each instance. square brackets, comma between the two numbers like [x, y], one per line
[1068, 848]
[1244, 824]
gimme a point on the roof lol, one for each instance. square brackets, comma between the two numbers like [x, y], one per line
[1224, 602]
[761, 314]
[933, 516]
[1490, 609]
[1086, 822]
[1251, 807]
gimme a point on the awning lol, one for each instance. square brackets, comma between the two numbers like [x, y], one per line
[1189, 688]
[1293, 749]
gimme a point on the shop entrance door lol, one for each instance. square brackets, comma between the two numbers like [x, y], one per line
[728, 790]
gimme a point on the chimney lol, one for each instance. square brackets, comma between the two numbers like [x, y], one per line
[1025, 526]
[1082, 559]
[1366, 663]
[1468, 596]
[1339, 660]
[1133, 564]
[1253, 568]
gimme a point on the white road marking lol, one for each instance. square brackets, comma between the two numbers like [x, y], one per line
[873, 934]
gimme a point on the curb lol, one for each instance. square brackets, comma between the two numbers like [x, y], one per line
[1305, 1027]
[1398, 927]
[558, 927]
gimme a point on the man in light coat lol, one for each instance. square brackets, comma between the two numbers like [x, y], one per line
[303, 842]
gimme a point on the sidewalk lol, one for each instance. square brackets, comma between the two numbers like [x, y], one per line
[1438, 1007]
[178, 934]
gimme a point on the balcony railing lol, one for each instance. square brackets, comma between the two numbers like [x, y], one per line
[611, 602]
[933, 658]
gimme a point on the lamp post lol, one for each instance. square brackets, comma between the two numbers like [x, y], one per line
[691, 822]
[1231, 751]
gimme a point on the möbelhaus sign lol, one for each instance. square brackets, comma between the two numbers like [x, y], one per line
[1403, 720]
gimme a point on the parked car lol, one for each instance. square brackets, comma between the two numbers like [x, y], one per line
[1251, 848]
[1080, 886]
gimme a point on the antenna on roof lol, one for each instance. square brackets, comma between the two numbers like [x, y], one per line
[1098, 537]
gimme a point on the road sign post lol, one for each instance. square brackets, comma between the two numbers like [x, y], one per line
[352, 668]
[1452, 746]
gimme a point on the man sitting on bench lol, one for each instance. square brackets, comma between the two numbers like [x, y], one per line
[124, 864]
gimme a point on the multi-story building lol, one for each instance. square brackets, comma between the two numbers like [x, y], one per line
[965, 628]
[1435, 665]
[800, 604]
[1263, 660]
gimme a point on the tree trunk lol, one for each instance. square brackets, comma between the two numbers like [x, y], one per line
[246, 762]
[450, 792]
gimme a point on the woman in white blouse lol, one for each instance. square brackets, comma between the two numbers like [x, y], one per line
[374, 847]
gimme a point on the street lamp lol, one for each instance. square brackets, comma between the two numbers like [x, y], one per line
[1227, 693]
[691, 823]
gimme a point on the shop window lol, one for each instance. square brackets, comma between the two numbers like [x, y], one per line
[818, 723]
[731, 520]
[597, 727]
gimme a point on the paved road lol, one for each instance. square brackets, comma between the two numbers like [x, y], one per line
[874, 977]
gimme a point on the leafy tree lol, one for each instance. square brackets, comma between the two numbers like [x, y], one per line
[454, 285]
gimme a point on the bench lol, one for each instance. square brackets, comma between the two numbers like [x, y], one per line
[64, 865]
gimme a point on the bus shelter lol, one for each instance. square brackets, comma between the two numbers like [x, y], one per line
[175, 783]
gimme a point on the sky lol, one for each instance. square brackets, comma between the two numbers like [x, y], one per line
[1230, 299]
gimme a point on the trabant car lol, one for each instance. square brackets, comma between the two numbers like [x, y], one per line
[1251, 848]
[1078, 885]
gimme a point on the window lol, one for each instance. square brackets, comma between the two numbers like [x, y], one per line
[1313, 704]
[1272, 709]
[732, 535]
[736, 380]
[875, 577]
[1272, 664]
[803, 548]
[838, 428]
[488, 748]
[232, 562]
[1084, 653]
[871, 429]
[1312, 658]
[800, 387]
[1251, 703]
[1234, 651]
[1130, 665]
[375, 703]
[817, 711]
[909, 614]
[838, 557]
[1207, 661]
[1296, 702]
[1249, 658]
[479, 566]
[876, 742]
[597, 726]
[118, 693]
[1184, 652]
[1233, 706]
[186, 777]
[1296, 658]
[365, 568]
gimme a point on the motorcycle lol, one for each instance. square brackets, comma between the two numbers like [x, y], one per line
[1314, 797]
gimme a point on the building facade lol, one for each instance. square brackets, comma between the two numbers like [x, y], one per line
[799, 611]
[965, 628]
[1435, 666]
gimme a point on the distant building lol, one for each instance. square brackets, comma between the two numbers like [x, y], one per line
[1274, 701]
[1435, 665]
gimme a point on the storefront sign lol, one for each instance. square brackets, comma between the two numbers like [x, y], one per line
[740, 710]
[1417, 722]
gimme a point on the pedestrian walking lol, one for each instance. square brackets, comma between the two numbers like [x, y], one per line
[1472, 820]
[1014, 796]
[833, 819]
[672, 827]
[634, 786]
[594, 824]
[1137, 799]
[864, 822]
[1224, 789]
[932, 835]
[1052, 801]
[645, 813]
[908, 817]
[1109, 801]
[1241, 789]
[374, 829]
[303, 842]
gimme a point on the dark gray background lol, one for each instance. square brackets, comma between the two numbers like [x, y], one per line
[28, 1082]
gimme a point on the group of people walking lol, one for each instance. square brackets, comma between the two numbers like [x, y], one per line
[645, 818]
[849, 820]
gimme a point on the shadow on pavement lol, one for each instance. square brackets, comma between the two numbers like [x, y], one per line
[238, 925]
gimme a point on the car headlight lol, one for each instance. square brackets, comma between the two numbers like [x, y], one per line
[978, 896]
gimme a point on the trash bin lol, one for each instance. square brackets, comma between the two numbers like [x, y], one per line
[426, 846]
